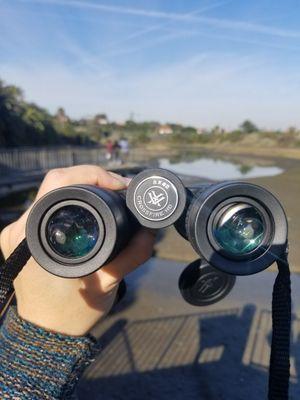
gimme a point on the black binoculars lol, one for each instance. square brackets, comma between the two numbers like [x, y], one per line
[236, 228]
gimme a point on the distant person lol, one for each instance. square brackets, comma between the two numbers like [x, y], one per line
[109, 150]
[116, 151]
[124, 149]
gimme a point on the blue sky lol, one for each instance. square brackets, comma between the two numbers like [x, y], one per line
[194, 62]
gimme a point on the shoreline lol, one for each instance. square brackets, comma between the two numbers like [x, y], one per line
[224, 149]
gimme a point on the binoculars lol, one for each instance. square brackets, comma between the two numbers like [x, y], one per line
[237, 228]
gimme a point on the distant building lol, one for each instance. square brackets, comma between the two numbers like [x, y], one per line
[165, 130]
[101, 119]
[201, 131]
[83, 121]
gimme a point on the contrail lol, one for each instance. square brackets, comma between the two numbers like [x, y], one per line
[210, 21]
[157, 27]
[194, 32]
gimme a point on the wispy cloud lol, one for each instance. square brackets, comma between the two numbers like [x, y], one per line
[259, 43]
[157, 27]
[172, 35]
[94, 61]
[209, 21]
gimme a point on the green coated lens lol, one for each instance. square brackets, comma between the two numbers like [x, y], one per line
[239, 229]
[72, 231]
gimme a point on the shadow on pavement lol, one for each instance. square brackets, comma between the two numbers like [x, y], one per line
[209, 355]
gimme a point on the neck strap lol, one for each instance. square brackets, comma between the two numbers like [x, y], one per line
[9, 271]
[279, 374]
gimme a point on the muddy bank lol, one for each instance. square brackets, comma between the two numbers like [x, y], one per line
[257, 149]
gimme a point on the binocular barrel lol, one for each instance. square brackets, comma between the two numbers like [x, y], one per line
[73, 231]
[238, 228]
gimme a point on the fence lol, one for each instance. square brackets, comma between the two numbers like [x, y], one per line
[30, 159]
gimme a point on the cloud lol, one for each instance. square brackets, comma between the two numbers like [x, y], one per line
[157, 27]
[238, 39]
[209, 21]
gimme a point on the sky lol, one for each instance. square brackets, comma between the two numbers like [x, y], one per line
[201, 63]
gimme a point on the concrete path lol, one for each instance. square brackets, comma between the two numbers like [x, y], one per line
[156, 346]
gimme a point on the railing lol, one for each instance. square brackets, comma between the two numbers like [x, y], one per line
[30, 159]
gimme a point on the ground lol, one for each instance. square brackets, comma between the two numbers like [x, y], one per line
[156, 346]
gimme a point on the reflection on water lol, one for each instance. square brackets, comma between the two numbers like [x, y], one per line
[217, 169]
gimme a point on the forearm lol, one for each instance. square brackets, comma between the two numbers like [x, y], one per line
[37, 364]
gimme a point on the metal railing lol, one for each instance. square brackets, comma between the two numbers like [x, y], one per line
[30, 159]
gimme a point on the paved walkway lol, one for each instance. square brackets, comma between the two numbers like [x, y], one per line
[158, 347]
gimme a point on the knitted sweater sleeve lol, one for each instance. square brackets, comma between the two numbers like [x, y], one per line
[37, 364]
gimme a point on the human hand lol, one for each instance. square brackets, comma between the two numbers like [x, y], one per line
[72, 306]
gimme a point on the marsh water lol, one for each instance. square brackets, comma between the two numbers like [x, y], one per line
[218, 169]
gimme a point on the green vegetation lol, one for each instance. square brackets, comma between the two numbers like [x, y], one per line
[248, 127]
[26, 124]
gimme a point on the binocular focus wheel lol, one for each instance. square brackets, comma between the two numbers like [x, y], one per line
[201, 284]
[156, 197]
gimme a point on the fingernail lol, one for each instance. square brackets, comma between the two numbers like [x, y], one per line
[126, 180]
[120, 180]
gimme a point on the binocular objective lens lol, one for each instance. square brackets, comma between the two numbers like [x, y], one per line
[239, 229]
[72, 231]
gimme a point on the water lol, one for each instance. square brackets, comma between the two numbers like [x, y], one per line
[218, 169]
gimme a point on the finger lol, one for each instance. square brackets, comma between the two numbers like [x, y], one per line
[81, 174]
[138, 251]
[124, 178]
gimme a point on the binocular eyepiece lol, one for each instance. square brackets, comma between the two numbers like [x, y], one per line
[73, 231]
[236, 227]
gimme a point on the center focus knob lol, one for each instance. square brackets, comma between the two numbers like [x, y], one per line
[156, 197]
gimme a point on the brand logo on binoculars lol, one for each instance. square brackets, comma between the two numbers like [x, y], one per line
[207, 284]
[156, 198]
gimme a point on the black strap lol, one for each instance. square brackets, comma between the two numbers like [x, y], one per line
[9, 271]
[279, 374]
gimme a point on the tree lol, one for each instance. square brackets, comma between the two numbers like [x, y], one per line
[25, 124]
[248, 127]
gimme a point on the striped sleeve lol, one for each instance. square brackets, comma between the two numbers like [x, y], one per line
[37, 364]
